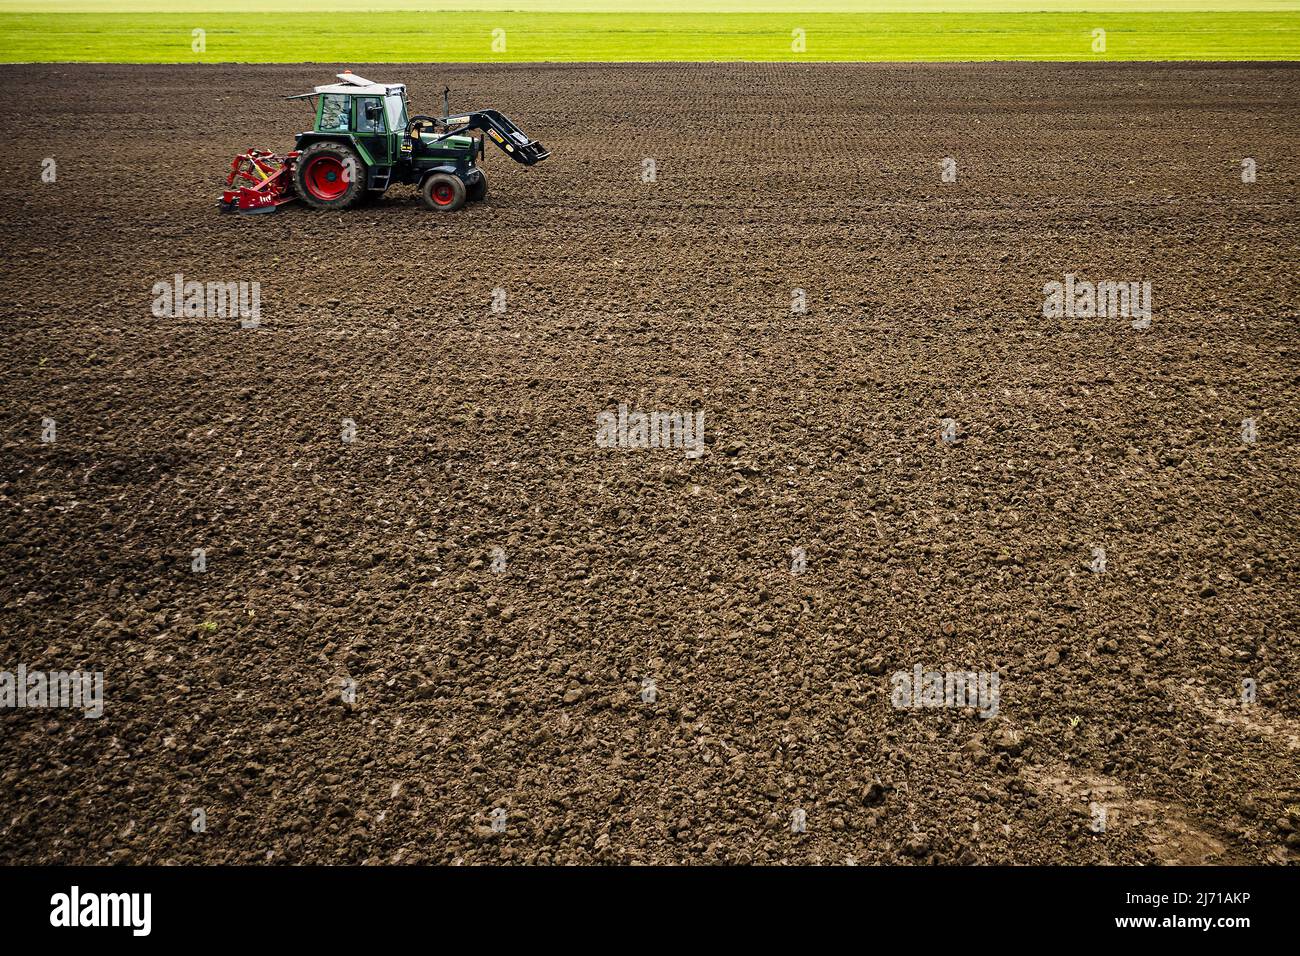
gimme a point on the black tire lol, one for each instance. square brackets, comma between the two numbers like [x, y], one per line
[479, 190]
[443, 192]
[329, 176]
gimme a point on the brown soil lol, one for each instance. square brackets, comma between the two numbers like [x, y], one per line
[373, 560]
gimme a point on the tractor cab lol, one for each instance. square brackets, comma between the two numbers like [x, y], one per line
[381, 111]
[372, 115]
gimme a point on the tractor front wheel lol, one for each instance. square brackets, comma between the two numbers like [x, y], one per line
[443, 192]
[329, 176]
[479, 190]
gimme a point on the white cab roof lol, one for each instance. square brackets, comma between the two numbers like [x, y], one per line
[360, 86]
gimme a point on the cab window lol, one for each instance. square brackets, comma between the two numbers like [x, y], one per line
[396, 112]
[370, 114]
[334, 112]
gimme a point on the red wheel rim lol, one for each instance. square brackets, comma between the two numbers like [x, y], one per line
[442, 194]
[326, 178]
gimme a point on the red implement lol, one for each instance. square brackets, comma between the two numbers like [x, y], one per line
[259, 181]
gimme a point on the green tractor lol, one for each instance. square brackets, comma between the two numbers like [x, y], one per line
[363, 142]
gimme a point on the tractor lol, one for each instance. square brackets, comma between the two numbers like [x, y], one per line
[363, 142]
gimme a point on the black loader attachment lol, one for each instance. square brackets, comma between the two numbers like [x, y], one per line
[494, 125]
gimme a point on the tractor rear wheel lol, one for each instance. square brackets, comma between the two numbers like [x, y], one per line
[443, 192]
[329, 176]
[479, 190]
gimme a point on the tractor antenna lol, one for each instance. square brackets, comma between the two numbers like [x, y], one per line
[446, 101]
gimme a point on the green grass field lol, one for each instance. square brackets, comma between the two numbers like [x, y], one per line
[650, 6]
[353, 31]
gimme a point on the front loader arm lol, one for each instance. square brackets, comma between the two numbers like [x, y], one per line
[496, 126]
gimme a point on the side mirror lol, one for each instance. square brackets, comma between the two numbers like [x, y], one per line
[374, 113]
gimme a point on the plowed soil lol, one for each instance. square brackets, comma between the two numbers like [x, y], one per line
[513, 679]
